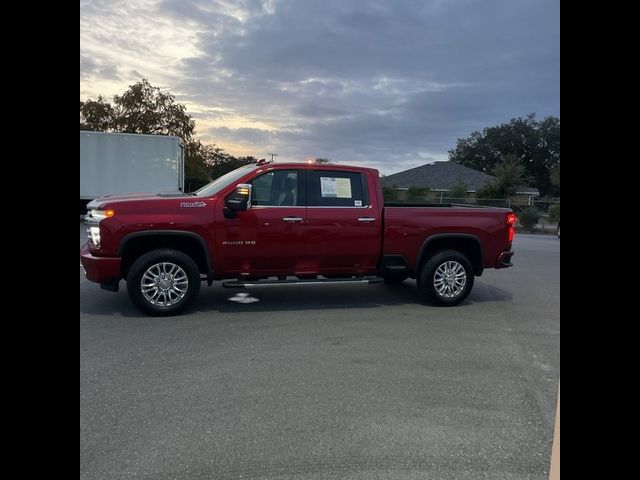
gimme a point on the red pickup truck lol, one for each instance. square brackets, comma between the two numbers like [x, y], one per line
[288, 223]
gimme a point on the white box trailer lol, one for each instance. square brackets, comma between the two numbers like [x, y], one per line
[128, 162]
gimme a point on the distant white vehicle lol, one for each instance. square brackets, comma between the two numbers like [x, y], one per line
[113, 163]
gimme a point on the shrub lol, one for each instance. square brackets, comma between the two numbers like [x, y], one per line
[529, 218]
[390, 194]
[554, 213]
[418, 193]
[490, 190]
[458, 190]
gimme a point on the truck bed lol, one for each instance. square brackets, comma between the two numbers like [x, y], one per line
[407, 226]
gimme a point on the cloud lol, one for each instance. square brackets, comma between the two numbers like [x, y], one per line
[384, 83]
[242, 134]
[92, 68]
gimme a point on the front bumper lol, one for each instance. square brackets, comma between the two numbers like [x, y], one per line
[100, 269]
[504, 260]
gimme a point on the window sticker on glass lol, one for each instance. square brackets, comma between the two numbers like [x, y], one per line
[343, 187]
[357, 203]
[328, 187]
[333, 187]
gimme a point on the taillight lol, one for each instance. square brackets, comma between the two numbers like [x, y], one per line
[511, 221]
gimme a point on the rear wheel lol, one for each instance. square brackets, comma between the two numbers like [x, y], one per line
[163, 282]
[446, 278]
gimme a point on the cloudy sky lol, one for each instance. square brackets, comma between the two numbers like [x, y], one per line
[390, 84]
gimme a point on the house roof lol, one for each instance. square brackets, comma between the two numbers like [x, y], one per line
[439, 175]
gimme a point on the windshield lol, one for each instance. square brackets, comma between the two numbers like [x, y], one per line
[223, 181]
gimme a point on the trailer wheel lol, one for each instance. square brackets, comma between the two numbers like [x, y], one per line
[446, 278]
[163, 282]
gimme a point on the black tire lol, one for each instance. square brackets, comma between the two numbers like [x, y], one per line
[394, 278]
[427, 279]
[155, 261]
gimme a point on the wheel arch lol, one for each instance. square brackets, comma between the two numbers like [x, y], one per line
[136, 244]
[466, 243]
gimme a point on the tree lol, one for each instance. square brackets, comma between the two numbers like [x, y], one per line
[535, 145]
[509, 175]
[211, 162]
[322, 160]
[554, 176]
[141, 109]
[195, 164]
[96, 115]
[146, 109]
[226, 163]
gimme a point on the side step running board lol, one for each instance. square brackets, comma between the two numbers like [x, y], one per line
[300, 283]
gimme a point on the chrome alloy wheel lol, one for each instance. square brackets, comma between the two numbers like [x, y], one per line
[450, 279]
[164, 284]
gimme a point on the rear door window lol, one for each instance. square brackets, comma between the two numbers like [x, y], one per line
[337, 189]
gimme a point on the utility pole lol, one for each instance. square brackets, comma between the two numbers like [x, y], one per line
[272, 155]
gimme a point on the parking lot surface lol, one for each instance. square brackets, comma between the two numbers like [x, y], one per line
[358, 382]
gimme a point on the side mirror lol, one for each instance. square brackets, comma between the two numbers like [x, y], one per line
[240, 200]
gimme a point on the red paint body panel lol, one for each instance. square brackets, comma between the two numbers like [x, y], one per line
[339, 243]
[99, 269]
[407, 228]
[257, 242]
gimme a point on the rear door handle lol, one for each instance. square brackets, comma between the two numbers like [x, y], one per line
[366, 219]
[293, 219]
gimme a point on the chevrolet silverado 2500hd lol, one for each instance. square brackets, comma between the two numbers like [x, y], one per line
[288, 224]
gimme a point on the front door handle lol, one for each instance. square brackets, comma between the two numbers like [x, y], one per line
[293, 219]
[366, 219]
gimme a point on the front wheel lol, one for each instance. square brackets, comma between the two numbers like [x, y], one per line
[446, 278]
[163, 282]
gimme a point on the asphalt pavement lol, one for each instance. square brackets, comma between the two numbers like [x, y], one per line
[327, 382]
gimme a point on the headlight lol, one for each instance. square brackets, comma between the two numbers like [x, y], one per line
[101, 214]
[93, 219]
[94, 235]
